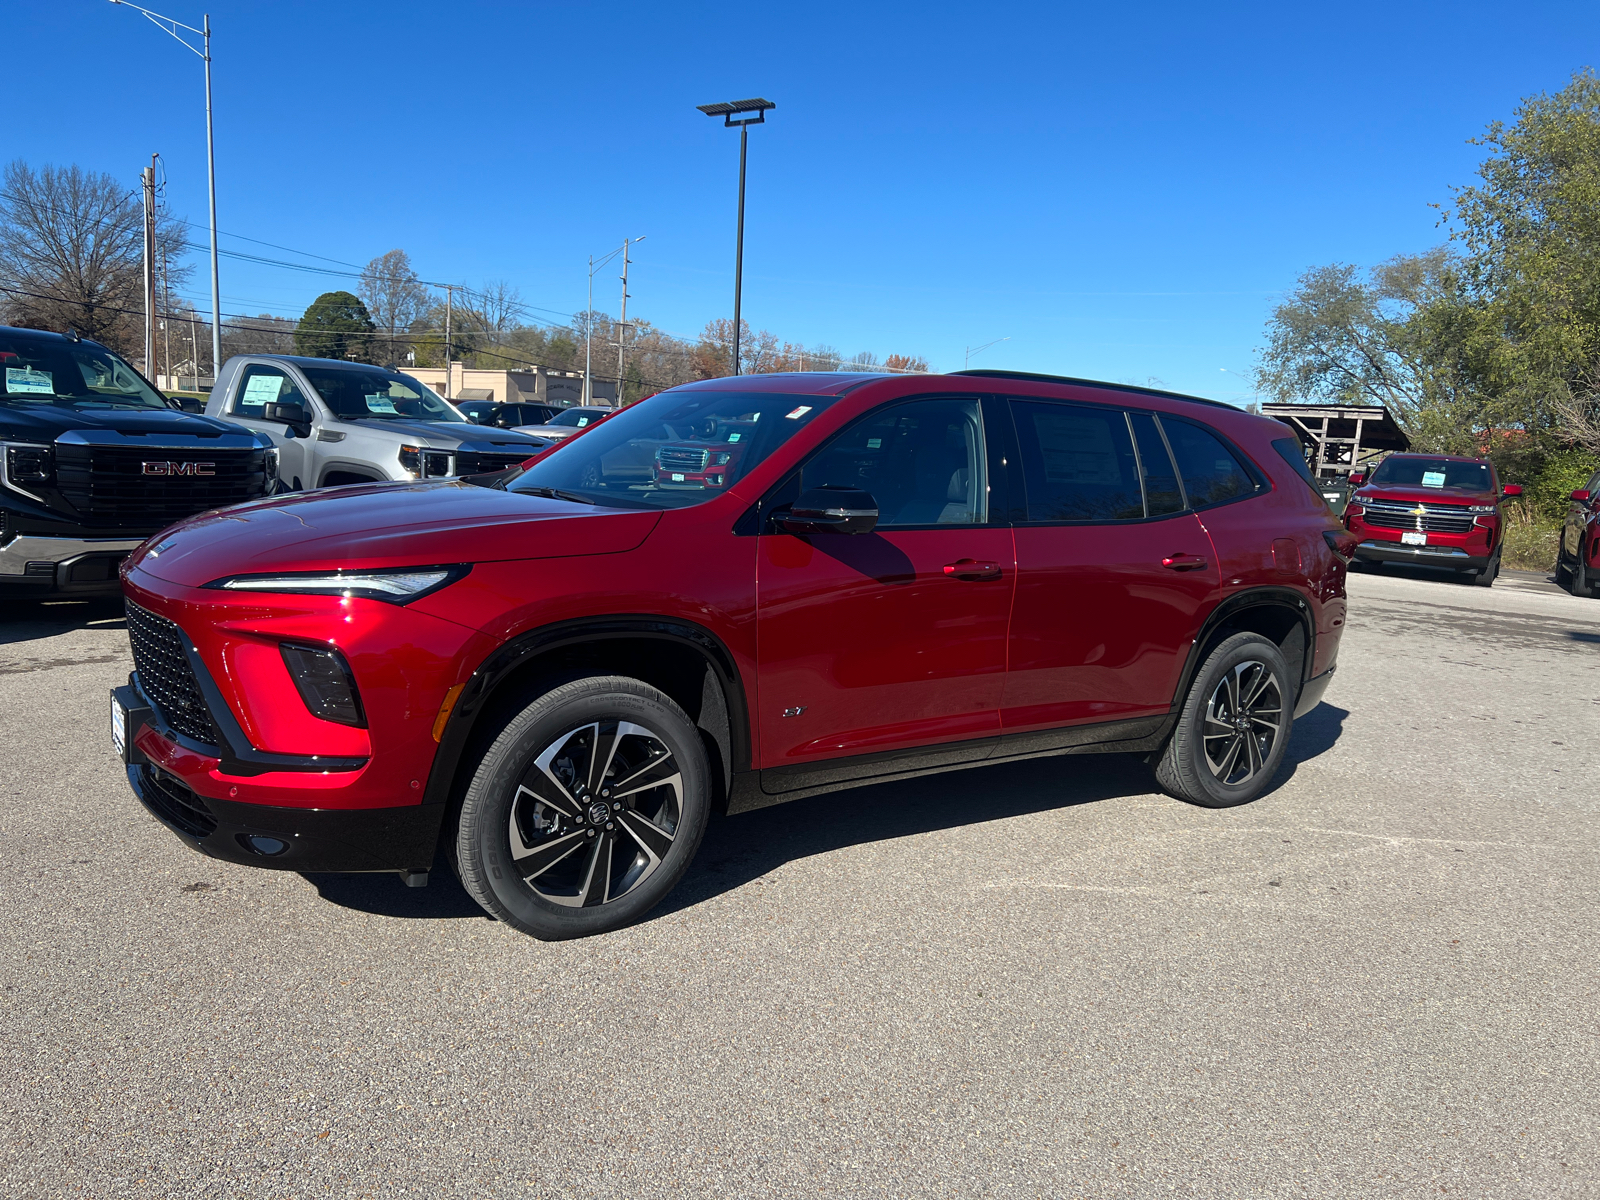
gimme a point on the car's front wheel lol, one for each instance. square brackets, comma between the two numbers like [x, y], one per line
[1580, 580]
[585, 810]
[1233, 728]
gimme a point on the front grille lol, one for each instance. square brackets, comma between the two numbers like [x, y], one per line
[176, 803]
[109, 485]
[682, 458]
[165, 675]
[1434, 518]
[471, 462]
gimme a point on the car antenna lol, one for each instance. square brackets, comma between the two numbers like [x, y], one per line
[73, 335]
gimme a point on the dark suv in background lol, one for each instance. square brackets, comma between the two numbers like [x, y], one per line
[556, 675]
[93, 460]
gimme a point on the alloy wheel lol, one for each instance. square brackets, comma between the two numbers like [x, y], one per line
[1243, 719]
[595, 814]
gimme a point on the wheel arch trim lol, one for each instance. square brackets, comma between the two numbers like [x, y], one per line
[478, 693]
[1277, 597]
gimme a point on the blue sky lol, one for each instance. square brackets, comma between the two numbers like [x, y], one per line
[1122, 190]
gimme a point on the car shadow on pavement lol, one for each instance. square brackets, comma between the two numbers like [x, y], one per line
[742, 848]
[25, 620]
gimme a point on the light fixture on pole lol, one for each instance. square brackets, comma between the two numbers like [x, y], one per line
[971, 350]
[728, 111]
[171, 26]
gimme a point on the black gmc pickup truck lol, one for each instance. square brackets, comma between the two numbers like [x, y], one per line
[93, 460]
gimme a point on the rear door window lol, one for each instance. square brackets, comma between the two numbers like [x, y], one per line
[1162, 495]
[1212, 473]
[1078, 462]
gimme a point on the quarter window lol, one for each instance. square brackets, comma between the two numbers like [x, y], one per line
[1077, 462]
[923, 462]
[261, 386]
[1211, 473]
[1162, 495]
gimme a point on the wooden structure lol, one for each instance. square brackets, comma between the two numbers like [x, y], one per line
[1340, 438]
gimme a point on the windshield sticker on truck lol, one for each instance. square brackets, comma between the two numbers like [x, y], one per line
[25, 381]
[798, 413]
[1433, 479]
[378, 402]
[734, 437]
[260, 391]
[874, 443]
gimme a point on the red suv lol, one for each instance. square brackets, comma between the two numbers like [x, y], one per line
[1438, 510]
[1578, 554]
[556, 675]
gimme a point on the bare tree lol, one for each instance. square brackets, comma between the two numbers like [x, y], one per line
[72, 253]
[395, 298]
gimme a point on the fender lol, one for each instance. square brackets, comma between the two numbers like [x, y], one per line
[502, 662]
[1278, 597]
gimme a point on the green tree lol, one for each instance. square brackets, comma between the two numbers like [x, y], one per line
[335, 326]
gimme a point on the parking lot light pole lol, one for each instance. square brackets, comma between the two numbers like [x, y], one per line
[171, 26]
[971, 350]
[728, 111]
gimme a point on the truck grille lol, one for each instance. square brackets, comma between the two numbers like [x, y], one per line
[470, 462]
[1434, 518]
[165, 676]
[175, 803]
[682, 458]
[109, 488]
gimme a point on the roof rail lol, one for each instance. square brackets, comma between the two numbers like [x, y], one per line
[1099, 383]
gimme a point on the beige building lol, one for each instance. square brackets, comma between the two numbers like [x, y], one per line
[536, 385]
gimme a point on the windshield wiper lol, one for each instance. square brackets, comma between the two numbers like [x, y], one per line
[558, 494]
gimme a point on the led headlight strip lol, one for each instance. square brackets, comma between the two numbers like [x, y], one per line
[396, 586]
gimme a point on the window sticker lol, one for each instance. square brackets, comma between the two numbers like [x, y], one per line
[582, 421]
[379, 403]
[261, 390]
[734, 437]
[874, 443]
[798, 413]
[1433, 479]
[25, 381]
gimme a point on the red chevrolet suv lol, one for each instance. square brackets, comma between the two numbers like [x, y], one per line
[1437, 510]
[554, 675]
[1578, 554]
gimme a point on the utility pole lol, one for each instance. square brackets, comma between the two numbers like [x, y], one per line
[449, 292]
[166, 318]
[194, 350]
[588, 338]
[622, 324]
[148, 176]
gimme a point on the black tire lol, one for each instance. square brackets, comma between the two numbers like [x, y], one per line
[535, 844]
[1243, 679]
[1487, 576]
[1579, 581]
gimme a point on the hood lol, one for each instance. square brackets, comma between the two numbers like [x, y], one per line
[450, 435]
[22, 422]
[386, 525]
[1423, 495]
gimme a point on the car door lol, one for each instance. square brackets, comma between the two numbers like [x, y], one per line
[1114, 574]
[258, 385]
[874, 646]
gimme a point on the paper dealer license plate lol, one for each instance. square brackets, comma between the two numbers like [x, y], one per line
[119, 728]
[1414, 539]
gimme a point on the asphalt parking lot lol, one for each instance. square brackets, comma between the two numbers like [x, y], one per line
[1030, 980]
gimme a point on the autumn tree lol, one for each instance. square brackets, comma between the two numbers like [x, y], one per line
[395, 299]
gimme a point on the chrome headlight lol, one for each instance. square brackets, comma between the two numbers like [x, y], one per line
[394, 586]
[1477, 508]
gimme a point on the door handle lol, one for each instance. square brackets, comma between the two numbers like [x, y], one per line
[971, 570]
[1184, 562]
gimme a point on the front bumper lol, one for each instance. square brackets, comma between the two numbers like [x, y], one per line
[1428, 556]
[65, 564]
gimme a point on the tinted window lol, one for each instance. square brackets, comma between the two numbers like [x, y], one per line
[923, 463]
[260, 386]
[1405, 471]
[49, 370]
[1162, 495]
[1077, 463]
[1211, 473]
[672, 450]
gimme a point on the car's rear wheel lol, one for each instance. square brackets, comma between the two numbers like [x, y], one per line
[1233, 728]
[585, 810]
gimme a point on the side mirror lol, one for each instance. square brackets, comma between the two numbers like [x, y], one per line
[1511, 490]
[292, 415]
[832, 509]
[1580, 496]
[1357, 479]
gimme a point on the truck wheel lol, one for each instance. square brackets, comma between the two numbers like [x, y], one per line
[585, 810]
[1233, 728]
[1487, 576]
[1579, 581]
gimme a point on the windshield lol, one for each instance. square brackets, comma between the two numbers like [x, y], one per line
[1396, 471]
[357, 393]
[674, 450]
[81, 374]
[578, 417]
